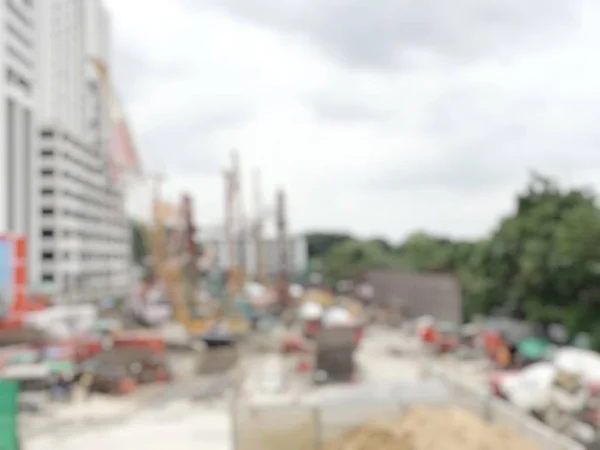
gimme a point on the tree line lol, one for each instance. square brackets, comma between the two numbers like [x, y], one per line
[541, 263]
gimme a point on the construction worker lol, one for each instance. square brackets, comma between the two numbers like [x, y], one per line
[503, 357]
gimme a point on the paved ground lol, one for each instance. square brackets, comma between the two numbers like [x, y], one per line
[192, 413]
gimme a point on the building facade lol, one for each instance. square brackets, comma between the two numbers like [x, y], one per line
[80, 244]
[18, 90]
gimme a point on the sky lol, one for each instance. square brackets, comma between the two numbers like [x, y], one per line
[378, 118]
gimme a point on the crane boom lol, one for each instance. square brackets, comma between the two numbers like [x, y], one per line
[258, 229]
[283, 288]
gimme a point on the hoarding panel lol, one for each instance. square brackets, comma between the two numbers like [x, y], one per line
[6, 275]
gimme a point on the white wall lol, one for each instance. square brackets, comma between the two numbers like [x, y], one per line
[18, 83]
[87, 235]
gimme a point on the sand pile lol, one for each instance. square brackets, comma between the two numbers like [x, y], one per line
[424, 428]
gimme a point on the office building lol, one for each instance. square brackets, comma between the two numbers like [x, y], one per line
[81, 242]
[17, 135]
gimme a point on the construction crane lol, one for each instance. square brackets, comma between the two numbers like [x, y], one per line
[122, 152]
[234, 228]
[282, 247]
[257, 230]
[175, 262]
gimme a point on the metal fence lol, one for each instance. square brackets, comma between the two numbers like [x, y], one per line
[303, 426]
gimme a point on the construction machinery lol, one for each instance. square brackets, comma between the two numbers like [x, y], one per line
[335, 347]
[176, 263]
[282, 286]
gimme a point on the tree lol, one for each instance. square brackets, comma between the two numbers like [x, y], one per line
[320, 243]
[347, 258]
[542, 263]
[139, 250]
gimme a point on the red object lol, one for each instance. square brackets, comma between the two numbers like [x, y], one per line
[161, 374]
[293, 345]
[87, 348]
[126, 386]
[594, 387]
[14, 260]
[447, 342]
[312, 327]
[496, 381]
[429, 335]
[491, 342]
[303, 367]
[360, 332]
[153, 343]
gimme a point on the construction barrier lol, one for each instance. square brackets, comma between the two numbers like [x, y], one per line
[301, 425]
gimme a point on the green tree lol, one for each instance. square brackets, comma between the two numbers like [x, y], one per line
[320, 243]
[346, 259]
[541, 263]
[139, 250]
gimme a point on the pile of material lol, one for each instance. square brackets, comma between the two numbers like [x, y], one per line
[426, 428]
[20, 336]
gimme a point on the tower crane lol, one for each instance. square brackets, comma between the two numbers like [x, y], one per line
[282, 247]
[122, 152]
[257, 229]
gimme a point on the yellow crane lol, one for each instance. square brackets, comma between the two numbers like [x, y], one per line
[166, 268]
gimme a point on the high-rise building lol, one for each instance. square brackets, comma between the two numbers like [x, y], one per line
[18, 88]
[81, 242]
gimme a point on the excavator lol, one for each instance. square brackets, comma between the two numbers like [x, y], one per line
[176, 266]
[175, 257]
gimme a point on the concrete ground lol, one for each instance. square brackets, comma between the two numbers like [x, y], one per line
[192, 413]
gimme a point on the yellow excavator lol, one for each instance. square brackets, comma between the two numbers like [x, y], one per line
[178, 273]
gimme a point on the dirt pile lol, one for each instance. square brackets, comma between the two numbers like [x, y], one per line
[425, 428]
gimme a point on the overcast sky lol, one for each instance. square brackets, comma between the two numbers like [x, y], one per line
[380, 117]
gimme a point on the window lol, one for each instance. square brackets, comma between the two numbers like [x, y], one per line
[47, 256]
[18, 14]
[47, 172]
[25, 84]
[48, 191]
[47, 133]
[48, 277]
[47, 233]
[47, 211]
[47, 152]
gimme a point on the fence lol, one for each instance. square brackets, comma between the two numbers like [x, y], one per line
[305, 426]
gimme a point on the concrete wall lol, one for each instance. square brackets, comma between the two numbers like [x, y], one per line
[415, 294]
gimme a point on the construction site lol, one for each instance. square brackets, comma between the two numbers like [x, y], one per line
[161, 332]
[259, 362]
[266, 364]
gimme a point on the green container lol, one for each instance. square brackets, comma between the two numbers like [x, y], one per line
[9, 409]
[9, 439]
[9, 397]
[533, 349]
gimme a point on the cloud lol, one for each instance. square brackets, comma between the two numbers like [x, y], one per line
[379, 118]
[384, 34]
